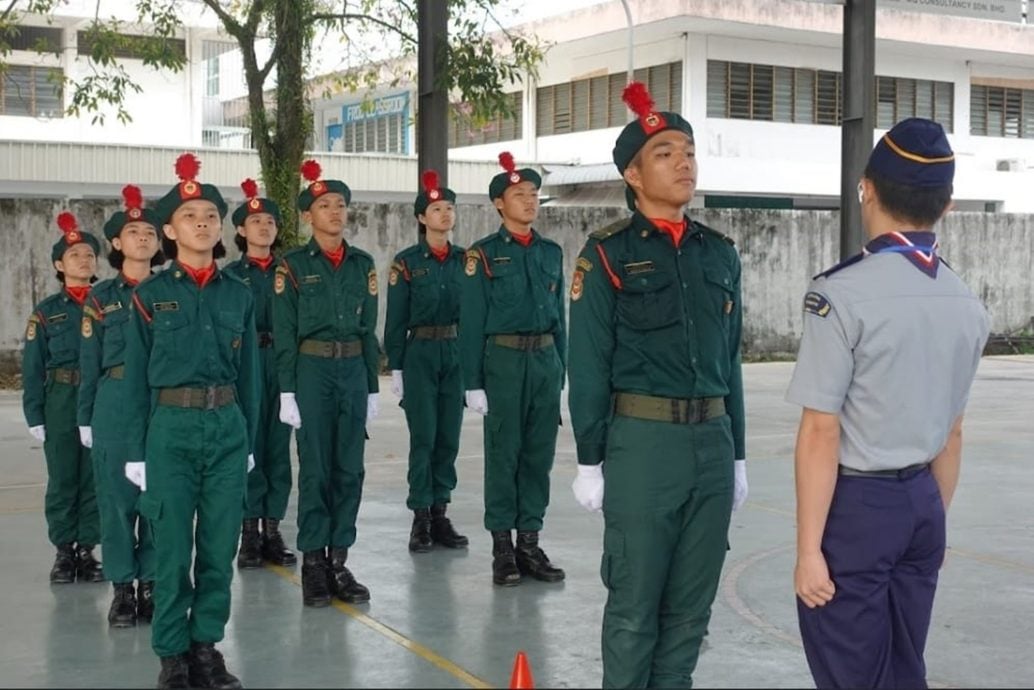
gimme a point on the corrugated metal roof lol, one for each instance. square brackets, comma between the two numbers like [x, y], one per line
[557, 175]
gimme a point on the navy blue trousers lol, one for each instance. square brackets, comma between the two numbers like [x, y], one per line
[884, 544]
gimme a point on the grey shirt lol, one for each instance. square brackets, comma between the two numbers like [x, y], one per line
[892, 351]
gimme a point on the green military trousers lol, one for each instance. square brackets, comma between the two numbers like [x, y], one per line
[71, 501]
[667, 502]
[125, 534]
[331, 398]
[523, 390]
[433, 400]
[269, 483]
[196, 463]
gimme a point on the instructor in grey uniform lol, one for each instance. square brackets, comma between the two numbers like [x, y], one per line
[892, 339]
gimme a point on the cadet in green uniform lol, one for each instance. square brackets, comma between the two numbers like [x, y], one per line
[324, 334]
[125, 537]
[192, 399]
[420, 339]
[269, 485]
[512, 343]
[50, 383]
[657, 404]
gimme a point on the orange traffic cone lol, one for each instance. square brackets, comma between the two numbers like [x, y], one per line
[521, 676]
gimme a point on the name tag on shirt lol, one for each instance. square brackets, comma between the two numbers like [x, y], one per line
[309, 280]
[417, 272]
[166, 306]
[114, 306]
[501, 260]
[57, 318]
[640, 267]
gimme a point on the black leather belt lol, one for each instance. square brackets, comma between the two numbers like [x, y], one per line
[208, 398]
[69, 376]
[448, 332]
[903, 473]
[673, 410]
[526, 342]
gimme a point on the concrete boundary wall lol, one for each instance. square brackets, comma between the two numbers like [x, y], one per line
[780, 250]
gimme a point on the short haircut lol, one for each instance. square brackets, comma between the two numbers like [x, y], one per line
[920, 206]
[116, 258]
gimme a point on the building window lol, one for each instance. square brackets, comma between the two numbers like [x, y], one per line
[379, 126]
[595, 103]
[129, 46]
[743, 91]
[36, 39]
[462, 132]
[998, 111]
[31, 91]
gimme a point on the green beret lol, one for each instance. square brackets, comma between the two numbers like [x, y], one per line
[432, 192]
[134, 213]
[71, 236]
[187, 167]
[511, 176]
[311, 171]
[647, 123]
[255, 204]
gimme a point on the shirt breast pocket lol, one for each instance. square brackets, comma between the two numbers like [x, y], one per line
[424, 295]
[312, 307]
[231, 335]
[172, 337]
[114, 342]
[719, 286]
[648, 302]
[507, 284]
[62, 340]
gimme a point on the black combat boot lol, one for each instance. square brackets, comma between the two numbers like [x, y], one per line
[145, 601]
[420, 534]
[87, 568]
[342, 582]
[315, 579]
[207, 668]
[250, 553]
[63, 571]
[175, 672]
[122, 613]
[274, 549]
[442, 531]
[504, 564]
[533, 561]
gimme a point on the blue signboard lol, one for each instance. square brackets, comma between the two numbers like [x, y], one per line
[395, 104]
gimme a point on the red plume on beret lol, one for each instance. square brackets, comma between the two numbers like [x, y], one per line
[132, 196]
[250, 188]
[67, 222]
[638, 99]
[506, 160]
[311, 170]
[430, 180]
[187, 167]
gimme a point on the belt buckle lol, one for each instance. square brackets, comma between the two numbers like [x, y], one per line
[679, 413]
[337, 349]
[210, 398]
[522, 342]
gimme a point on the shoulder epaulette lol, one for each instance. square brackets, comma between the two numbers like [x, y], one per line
[304, 249]
[356, 251]
[612, 229]
[483, 241]
[235, 278]
[840, 266]
[714, 232]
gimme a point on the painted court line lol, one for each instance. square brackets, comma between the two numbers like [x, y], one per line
[395, 636]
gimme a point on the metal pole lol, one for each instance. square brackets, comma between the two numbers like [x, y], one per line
[432, 125]
[631, 42]
[859, 116]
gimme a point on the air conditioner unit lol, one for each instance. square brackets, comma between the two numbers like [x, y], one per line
[1010, 164]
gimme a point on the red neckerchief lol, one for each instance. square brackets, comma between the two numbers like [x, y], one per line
[78, 294]
[200, 276]
[674, 229]
[337, 256]
[523, 240]
[129, 281]
[440, 254]
[265, 263]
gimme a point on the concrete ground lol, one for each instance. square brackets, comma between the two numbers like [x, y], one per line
[436, 620]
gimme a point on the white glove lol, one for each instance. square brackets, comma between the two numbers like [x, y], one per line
[136, 472]
[289, 413]
[38, 432]
[372, 407]
[251, 461]
[477, 401]
[396, 383]
[588, 487]
[739, 492]
[86, 436]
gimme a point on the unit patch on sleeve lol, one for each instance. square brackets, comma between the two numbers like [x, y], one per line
[577, 285]
[371, 281]
[816, 304]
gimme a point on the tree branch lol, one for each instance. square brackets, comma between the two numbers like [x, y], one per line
[364, 18]
[7, 12]
[229, 23]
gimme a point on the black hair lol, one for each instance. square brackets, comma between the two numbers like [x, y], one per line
[169, 249]
[116, 259]
[61, 278]
[920, 206]
[242, 243]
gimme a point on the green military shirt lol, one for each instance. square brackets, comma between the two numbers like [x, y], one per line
[182, 336]
[105, 317]
[510, 289]
[51, 342]
[653, 319]
[261, 284]
[318, 302]
[422, 291]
